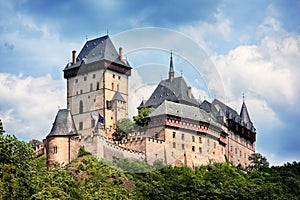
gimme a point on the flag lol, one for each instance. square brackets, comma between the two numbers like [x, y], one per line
[100, 119]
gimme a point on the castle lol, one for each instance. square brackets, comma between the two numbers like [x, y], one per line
[181, 130]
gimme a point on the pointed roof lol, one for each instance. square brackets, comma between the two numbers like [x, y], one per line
[63, 125]
[98, 49]
[245, 115]
[175, 90]
[171, 70]
[117, 96]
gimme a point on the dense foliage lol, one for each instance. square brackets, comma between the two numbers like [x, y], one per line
[123, 127]
[22, 176]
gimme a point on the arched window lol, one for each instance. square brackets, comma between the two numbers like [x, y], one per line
[80, 107]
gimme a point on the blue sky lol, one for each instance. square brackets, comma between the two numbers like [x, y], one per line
[253, 47]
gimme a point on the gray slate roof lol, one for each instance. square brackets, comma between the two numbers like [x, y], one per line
[218, 108]
[175, 90]
[184, 111]
[117, 96]
[97, 49]
[63, 125]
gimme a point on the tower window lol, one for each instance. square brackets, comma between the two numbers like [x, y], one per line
[200, 150]
[92, 123]
[80, 125]
[182, 136]
[98, 85]
[174, 134]
[118, 87]
[112, 86]
[182, 146]
[94, 75]
[76, 80]
[200, 140]
[114, 76]
[193, 138]
[85, 78]
[91, 87]
[174, 145]
[193, 148]
[55, 150]
[119, 77]
[80, 107]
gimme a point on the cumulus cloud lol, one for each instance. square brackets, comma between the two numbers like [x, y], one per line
[29, 105]
[268, 74]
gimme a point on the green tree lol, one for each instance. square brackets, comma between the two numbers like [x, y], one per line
[2, 131]
[257, 162]
[123, 127]
[141, 118]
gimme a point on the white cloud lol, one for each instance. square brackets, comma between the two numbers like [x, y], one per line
[29, 105]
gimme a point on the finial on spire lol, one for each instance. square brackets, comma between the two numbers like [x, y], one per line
[243, 97]
[171, 70]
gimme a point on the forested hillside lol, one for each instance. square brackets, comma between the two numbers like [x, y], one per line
[22, 176]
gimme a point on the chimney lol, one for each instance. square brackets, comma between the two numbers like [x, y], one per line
[120, 54]
[189, 92]
[74, 57]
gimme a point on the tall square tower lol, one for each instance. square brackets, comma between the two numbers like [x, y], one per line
[97, 86]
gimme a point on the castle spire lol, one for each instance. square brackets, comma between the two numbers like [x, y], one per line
[244, 112]
[171, 70]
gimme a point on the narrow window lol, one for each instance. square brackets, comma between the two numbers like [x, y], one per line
[80, 107]
[114, 76]
[94, 75]
[174, 134]
[112, 86]
[193, 148]
[193, 138]
[76, 80]
[174, 145]
[182, 146]
[182, 136]
[200, 150]
[156, 135]
[235, 150]
[55, 150]
[200, 140]
[92, 123]
[81, 91]
[98, 85]
[119, 77]
[208, 141]
[91, 87]
[80, 125]
[118, 87]
[85, 78]
[215, 144]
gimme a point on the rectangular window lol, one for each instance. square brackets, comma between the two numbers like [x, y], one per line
[91, 87]
[200, 140]
[114, 76]
[85, 78]
[207, 141]
[182, 146]
[94, 75]
[55, 150]
[182, 136]
[235, 150]
[76, 80]
[98, 85]
[215, 145]
[80, 125]
[81, 91]
[174, 145]
[193, 138]
[119, 77]
[200, 150]
[193, 148]
[92, 123]
[174, 134]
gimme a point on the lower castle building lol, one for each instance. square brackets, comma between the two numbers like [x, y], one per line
[181, 130]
